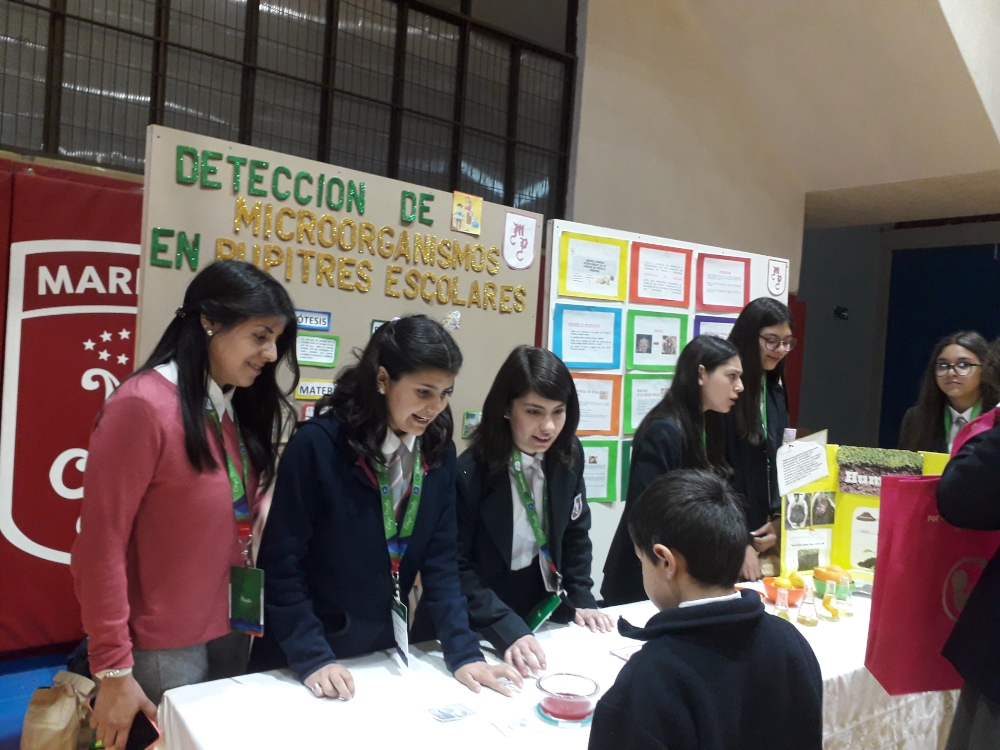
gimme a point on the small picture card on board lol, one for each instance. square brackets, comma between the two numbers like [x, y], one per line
[467, 213]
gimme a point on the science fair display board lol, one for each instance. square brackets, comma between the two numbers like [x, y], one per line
[353, 250]
[621, 307]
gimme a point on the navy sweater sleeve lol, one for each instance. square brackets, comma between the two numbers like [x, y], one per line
[577, 550]
[968, 494]
[283, 551]
[442, 594]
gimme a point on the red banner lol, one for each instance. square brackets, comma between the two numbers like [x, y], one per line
[70, 330]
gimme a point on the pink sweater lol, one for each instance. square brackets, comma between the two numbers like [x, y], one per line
[157, 539]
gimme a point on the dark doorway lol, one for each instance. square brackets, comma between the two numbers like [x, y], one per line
[932, 293]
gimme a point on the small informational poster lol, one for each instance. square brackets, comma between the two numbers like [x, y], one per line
[600, 469]
[312, 320]
[587, 337]
[713, 325]
[308, 411]
[599, 403]
[659, 275]
[723, 283]
[592, 266]
[653, 341]
[317, 349]
[376, 324]
[313, 390]
[466, 213]
[642, 393]
[800, 463]
[519, 240]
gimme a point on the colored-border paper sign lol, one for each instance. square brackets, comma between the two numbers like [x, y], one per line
[587, 337]
[659, 275]
[470, 421]
[642, 393]
[626, 468]
[313, 390]
[653, 340]
[600, 469]
[312, 320]
[519, 240]
[317, 349]
[592, 266]
[723, 283]
[713, 325]
[600, 402]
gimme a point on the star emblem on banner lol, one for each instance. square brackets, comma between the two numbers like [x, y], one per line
[124, 333]
[105, 336]
[122, 359]
[116, 349]
[89, 345]
[104, 355]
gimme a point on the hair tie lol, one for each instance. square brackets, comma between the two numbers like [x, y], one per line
[179, 312]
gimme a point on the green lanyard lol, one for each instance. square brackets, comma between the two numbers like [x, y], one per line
[528, 501]
[237, 483]
[763, 405]
[947, 418]
[394, 536]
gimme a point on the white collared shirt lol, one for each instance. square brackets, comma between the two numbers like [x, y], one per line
[711, 600]
[222, 402]
[404, 446]
[955, 426]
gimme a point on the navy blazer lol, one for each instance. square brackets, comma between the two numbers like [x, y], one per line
[661, 450]
[328, 582]
[909, 425]
[755, 475]
[485, 537]
[968, 496]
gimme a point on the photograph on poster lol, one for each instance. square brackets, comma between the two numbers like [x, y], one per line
[655, 340]
[659, 275]
[713, 325]
[642, 393]
[600, 469]
[723, 283]
[587, 337]
[592, 266]
[599, 403]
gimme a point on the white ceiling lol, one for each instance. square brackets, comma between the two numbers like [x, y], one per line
[877, 106]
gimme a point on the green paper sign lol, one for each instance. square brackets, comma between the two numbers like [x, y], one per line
[642, 393]
[600, 469]
[317, 349]
[654, 340]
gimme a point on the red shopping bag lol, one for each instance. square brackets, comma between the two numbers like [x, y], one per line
[924, 572]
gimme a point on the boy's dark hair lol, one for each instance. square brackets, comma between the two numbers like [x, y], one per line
[697, 514]
[527, 369]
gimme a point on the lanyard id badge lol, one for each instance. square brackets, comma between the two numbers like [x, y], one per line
[538, 616]
[396, 539]
[246, 583]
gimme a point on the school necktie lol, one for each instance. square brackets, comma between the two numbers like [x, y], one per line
[960, 422]
[395, 472]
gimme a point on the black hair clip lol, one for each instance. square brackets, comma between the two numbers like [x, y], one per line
[179, 312]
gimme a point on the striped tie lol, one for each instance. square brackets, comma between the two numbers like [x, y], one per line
[960, 422]
[395, 472]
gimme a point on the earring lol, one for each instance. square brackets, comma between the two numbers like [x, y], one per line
[209, 331]
[381, 391]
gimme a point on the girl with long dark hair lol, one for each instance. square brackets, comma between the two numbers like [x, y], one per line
[683, 431]
[364, 501]
[176, 458]
[953, 392]
[755, 429]
[525, 459]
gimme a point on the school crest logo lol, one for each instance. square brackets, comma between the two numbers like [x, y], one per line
[777, 276]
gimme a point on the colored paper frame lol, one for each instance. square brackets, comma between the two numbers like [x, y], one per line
[621, 245]
[700, 286]
[312, 363]
[616, 388]
[699, 320]
[612, 481]
[630, 337]
[626, 468]
[627, 427]
[633, 293]
[557, 336]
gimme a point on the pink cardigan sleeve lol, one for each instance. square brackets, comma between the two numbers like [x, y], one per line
[125, 447]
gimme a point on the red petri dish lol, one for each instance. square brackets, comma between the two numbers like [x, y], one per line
[568, 697]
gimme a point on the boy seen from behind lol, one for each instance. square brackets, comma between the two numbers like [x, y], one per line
[716, 673]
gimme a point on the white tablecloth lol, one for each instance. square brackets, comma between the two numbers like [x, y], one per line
[273, 709]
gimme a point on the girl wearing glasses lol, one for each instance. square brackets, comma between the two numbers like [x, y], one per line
[683, 431]
[755, 428]
[952, 394]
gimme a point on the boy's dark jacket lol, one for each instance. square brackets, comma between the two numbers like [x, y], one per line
[718, 676]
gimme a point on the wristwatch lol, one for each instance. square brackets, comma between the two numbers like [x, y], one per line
[105, 673]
